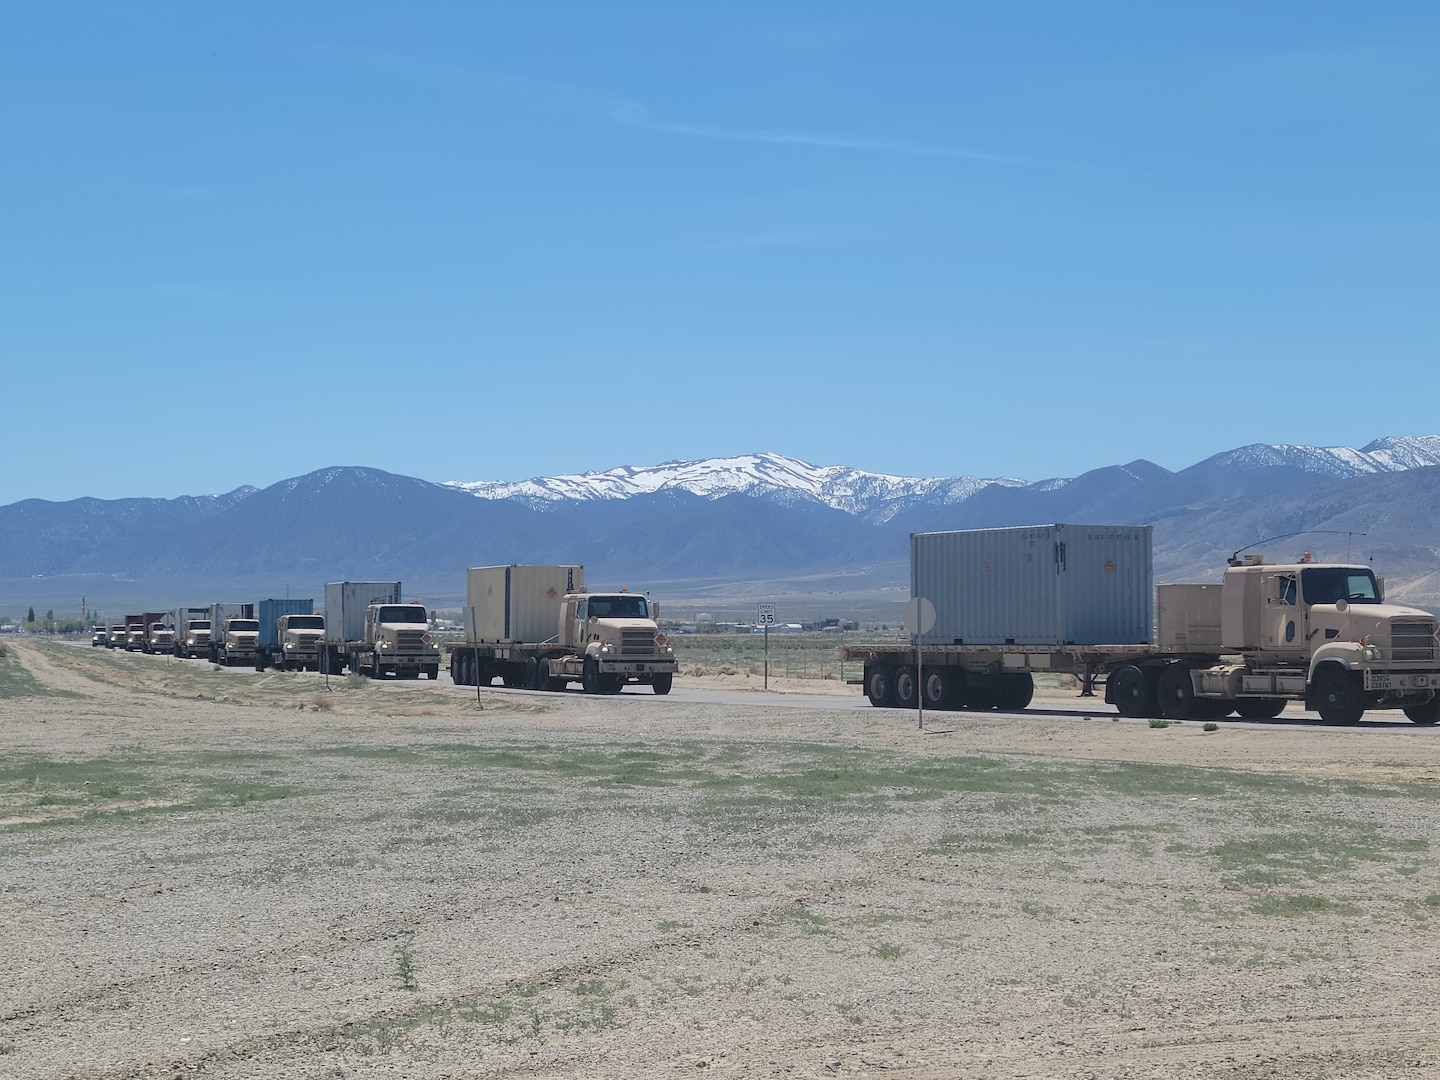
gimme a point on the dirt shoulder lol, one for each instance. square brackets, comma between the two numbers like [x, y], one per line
[251, 875]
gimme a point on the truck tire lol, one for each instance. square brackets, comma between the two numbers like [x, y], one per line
[376, 671]
[662, 682]
[549, 682]
[1176, 693]
[590, 676]
[1338, 697]
[1132, 692]
[907, 690]
[879, 687]
[532, 673]
[937, 685]
[1426, 714]
[432, 672]
[1260, 708]
[1015, 693]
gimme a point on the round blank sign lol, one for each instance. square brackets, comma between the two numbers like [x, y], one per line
[919, 615]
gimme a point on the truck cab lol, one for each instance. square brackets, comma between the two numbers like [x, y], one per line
[619, 641]
[398, 641]
[134, 637]
[1323, 631]
[160, 638]
[195, 639]
[239, 640]
[298, 637]
[99, 636]
[117, 638]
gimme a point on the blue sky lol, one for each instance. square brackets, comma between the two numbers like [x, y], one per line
[492, 241]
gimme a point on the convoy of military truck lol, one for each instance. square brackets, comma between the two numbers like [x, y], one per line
[993, 606]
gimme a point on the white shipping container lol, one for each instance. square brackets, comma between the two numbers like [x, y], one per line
[1037, 585]
[517, 603]
[345, 604]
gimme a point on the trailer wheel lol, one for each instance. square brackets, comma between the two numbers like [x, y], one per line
[1337, 696]
[1426, 714]
[532, 673]
[937, 687]
[879, 687]
[662, 682]
[1015, 693]
[590, 676]
[1177, 693]
[1132, 692]
[906, 687]
[1260, 708]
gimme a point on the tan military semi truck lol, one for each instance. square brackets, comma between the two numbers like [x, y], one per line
[1314, 633]
[537, 627]
[368, 630]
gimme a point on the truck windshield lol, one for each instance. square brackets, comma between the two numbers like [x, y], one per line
[242, 626]
[200, 624]
[306, 622]
[1327, 584]
[403, 613]
[625, 606]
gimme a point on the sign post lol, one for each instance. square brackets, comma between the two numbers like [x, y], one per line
[765, 616]
[919, 620]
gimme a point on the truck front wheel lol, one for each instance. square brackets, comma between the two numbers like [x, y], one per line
[1426, 714]
[1337, 695]
[590, 676]
[662, 682]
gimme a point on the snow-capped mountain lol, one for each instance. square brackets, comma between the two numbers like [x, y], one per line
[879, 496]
[838, 486]
[1383, 455]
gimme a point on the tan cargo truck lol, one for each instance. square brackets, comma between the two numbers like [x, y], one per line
[1318, 634]
[537, 627]
[369, 630]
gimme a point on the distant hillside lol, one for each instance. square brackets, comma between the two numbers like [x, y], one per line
[1381, 504]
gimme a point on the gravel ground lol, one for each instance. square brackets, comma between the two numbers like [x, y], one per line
[247, 875]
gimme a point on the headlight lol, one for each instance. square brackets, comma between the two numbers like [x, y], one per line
[1374, 652]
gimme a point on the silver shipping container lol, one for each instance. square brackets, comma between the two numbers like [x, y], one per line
[188, 614]
[218, 613]
[517, 603]
[345, 604]
[1037, 585]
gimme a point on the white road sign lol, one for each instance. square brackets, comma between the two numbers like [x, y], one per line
[767, 615]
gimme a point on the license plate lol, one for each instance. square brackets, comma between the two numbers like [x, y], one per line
[1375, 680]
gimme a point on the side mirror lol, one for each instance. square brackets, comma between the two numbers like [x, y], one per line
[655, 609]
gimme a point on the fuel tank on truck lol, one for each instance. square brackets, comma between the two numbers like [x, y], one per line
[1037, 585]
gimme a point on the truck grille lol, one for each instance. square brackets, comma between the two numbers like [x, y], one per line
[1412, 639]
[637, 643]
[409, 640]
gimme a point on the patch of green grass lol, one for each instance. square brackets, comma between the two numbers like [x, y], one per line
[16, 682]
[1300, 906]
[1325, 850]
[1156, 722]
[113, 789]
[887, 950]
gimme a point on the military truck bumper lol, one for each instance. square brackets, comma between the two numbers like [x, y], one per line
[637, 667]
[1401, 682]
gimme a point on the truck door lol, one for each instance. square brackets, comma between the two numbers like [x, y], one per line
[1281, 625]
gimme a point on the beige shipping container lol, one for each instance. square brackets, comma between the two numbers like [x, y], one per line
[505, 604]
[1189, 617]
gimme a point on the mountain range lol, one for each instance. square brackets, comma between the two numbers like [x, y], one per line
[720, 523]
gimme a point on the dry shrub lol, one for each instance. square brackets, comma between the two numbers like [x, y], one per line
[698, 670]
[728, 670]
[323, 703]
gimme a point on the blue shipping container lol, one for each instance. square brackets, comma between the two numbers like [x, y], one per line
[271, 610]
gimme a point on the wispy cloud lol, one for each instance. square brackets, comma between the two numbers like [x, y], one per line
[636, 116]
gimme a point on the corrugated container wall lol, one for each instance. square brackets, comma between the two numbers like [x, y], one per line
[345, 604]
[517, 603]
[271, 610]
[1188, 619]
[1037, 585]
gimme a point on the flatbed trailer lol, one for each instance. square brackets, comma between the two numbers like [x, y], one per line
[547, 666]
[997, 676]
